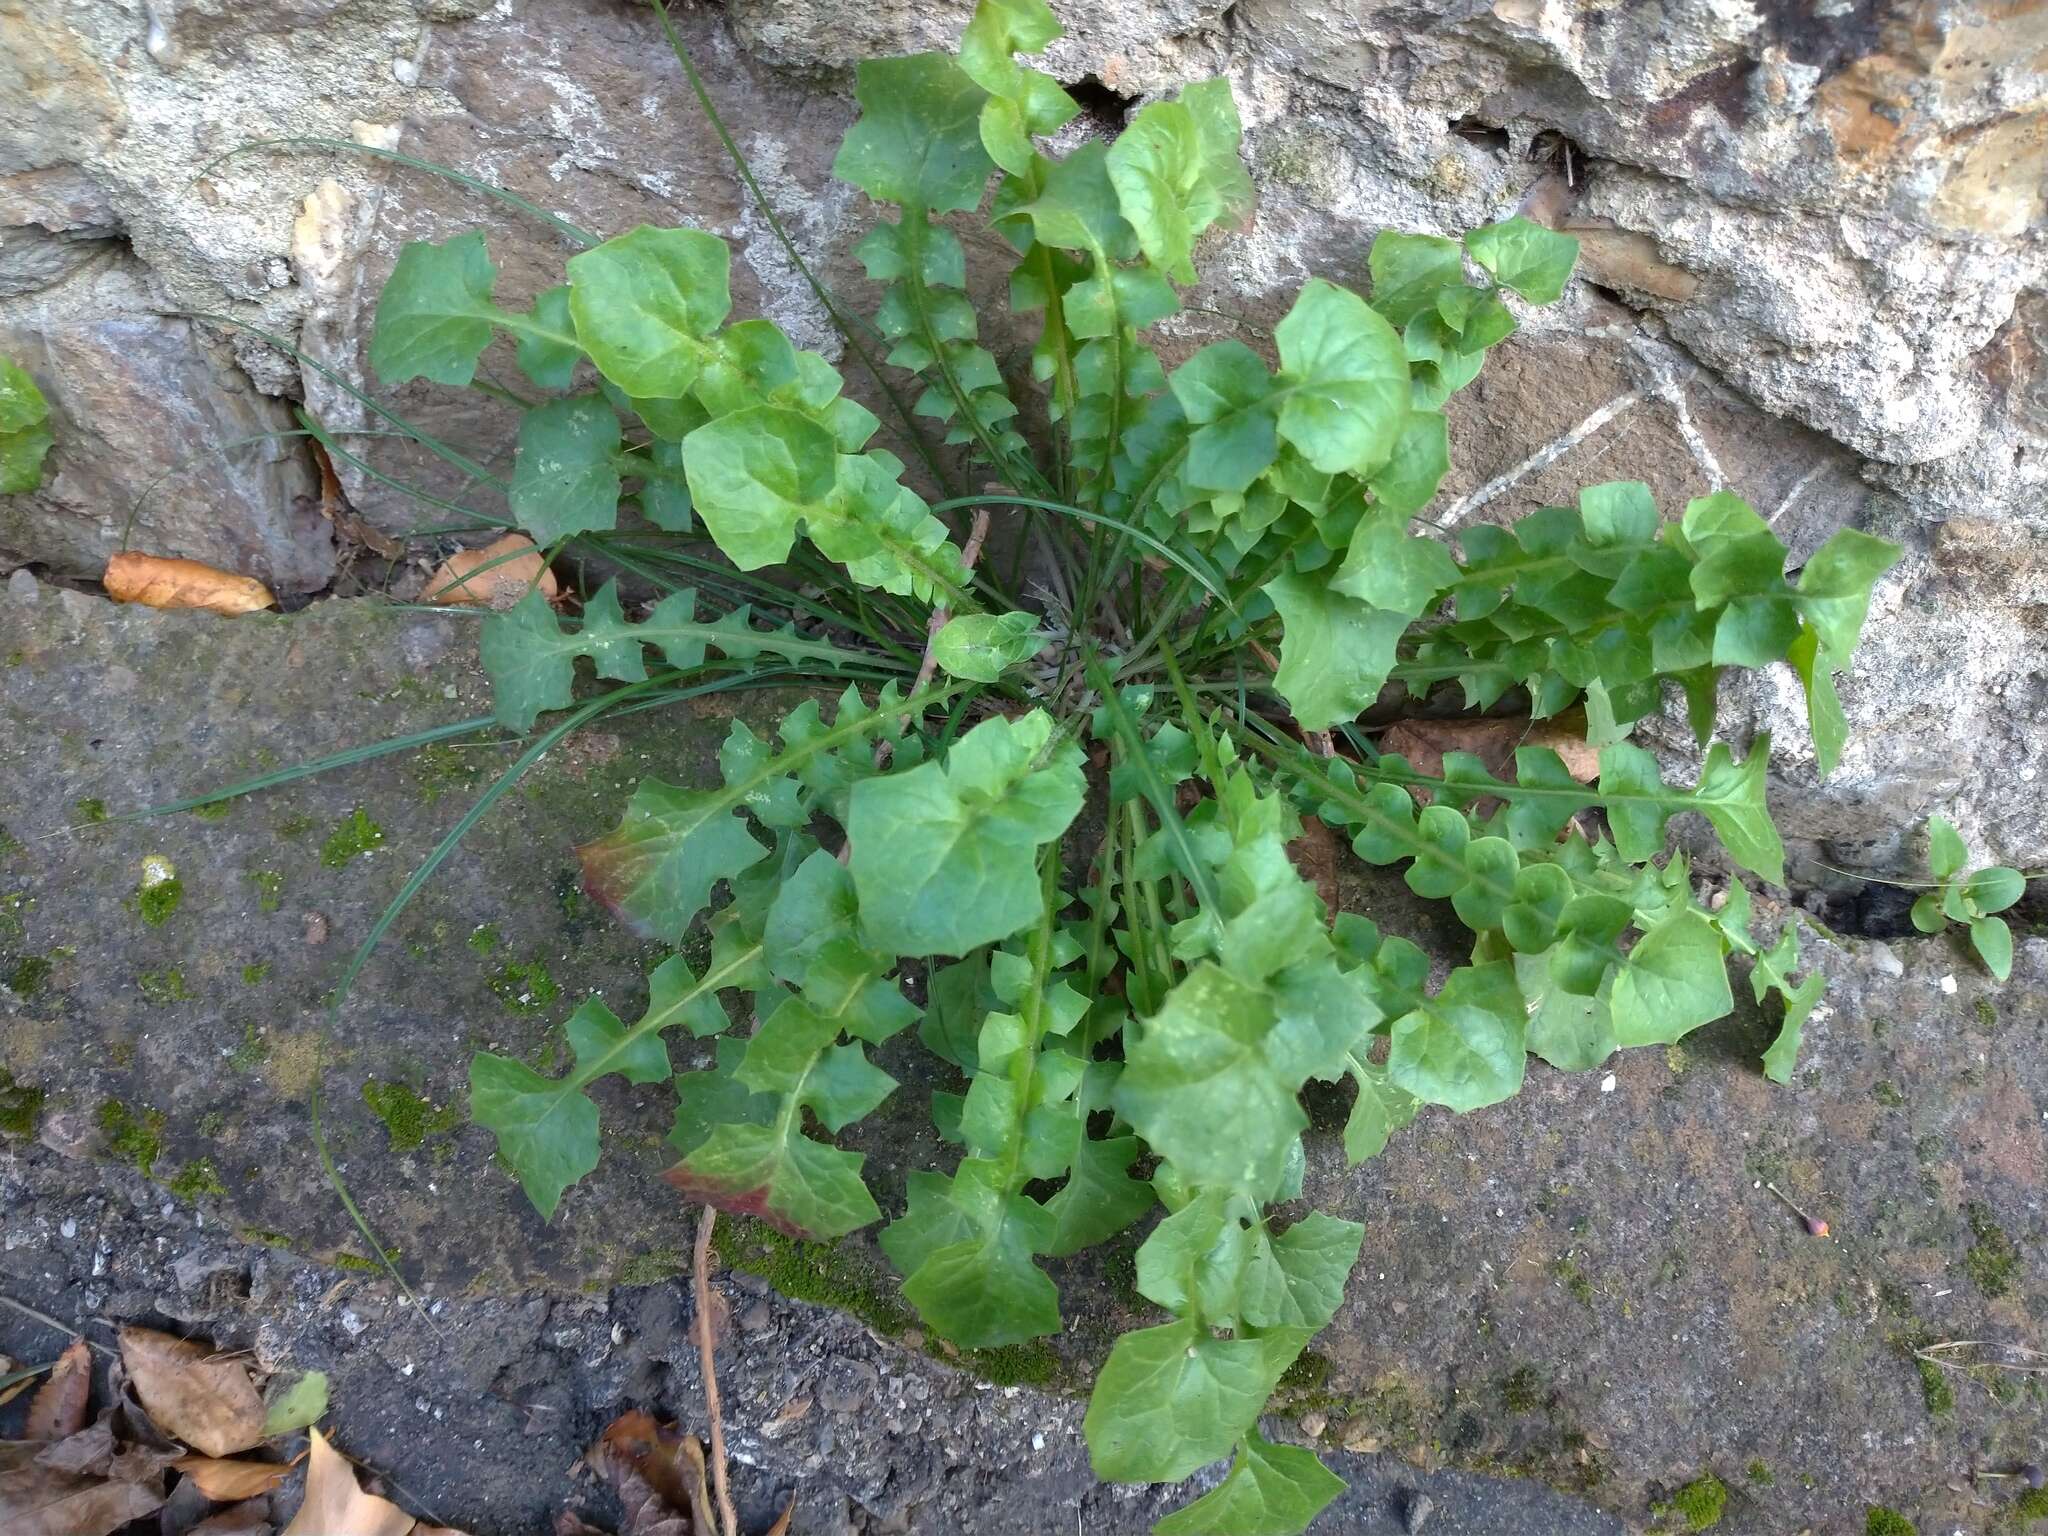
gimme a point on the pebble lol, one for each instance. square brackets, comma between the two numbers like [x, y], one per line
[846, 1385]
[1415, 1511]
[1313, 1424]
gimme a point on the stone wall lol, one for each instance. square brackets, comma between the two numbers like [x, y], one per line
[1813, 272]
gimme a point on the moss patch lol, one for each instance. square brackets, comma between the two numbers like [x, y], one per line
[29, 975]
[1701, 1502]
[1887, 1094]
[408, 1119]
[20, 1106]
[1521, 1390]
[197, 1178]
[1760, 1474]
[814, 1272]
[652, 1267]
[1935, 1390]
[89, 810]
[1992, 1262]
[155, 901]
[525, 987]
[162, 988]
[2032, 1505]
[131, 1137]
[485, 939]
[1030, 1364]
[356, 836]
[269, 889]
[1879, 1521]
[253, 974]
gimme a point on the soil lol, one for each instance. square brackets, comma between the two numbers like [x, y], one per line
[1570, 1307]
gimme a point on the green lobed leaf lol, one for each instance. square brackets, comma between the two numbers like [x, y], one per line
[918, 140]
[434, 315]
[945, 854]
[1834, 586]
[565, 479]
[21, 402]
[1465, 1047]
[21, 458]
[1676, 979]
[645, 304]
[1346, 380]
[1022, 102]
[1335, 652]
[1172, 1399]
[1275, 1490]
[1523, 255]
[1992, 940]
[980, 647]
[1408, 271]
[1176, 171]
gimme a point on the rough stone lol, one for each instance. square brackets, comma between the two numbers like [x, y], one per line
[162, 446]
[1589, 1288]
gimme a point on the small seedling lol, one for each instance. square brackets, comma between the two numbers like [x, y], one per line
[1971, 898]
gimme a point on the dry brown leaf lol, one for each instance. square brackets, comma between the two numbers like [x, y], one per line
[781, 1525]
[423, 1529]
[335, 508]
[1315, 858]
[162, 581]
[208, 1403]
[39, 1501]
[500, 573]
[336, 1506]
[1493, 741]
[227, 1480]
[250, 1518]
[658, 1475]
[58, 1408]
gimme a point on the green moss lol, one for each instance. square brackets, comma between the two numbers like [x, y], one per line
[439, 768]
[156, 902]
[295, 826]
[162, 988]
[1308, 1373]
[1573, 1279]
[12, 905]
[1987, 1015]
[131, 1137]
[254, 973]
[1701, 1502]
[652, 1267]
[197, 1178]
[1992, 1262]
[29, 975]
[408, 1119]
[249, 1055]
[1030, 1364]
[89, 810]
[269, 889]
[357, 1264]
[1521, 1390]
[2032, 1505]
[1887, 1094]
[525, 987]
[20, 1106]
[1935, 1390]
[1879, 1521]
[485, 939]
[356, 836]
[213, 1125]
[213, 810]
[1760, 1474]
[813, 1272]
[265, 1236]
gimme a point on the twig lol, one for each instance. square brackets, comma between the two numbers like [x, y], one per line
[700, 1281]
[50, 1322]
[1814, 1224]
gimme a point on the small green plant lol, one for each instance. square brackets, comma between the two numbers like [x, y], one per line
[1972, 898]
[24, 430]
[1076, 720]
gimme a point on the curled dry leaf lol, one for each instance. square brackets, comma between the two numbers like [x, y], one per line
[58, 1408]
[161, 581]
[36, 1500]
[208, 1403]
[1493, 741]
[336, 1506]
[224, 1479]
[658, 1474]
[250, 1518]
[494, 576]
